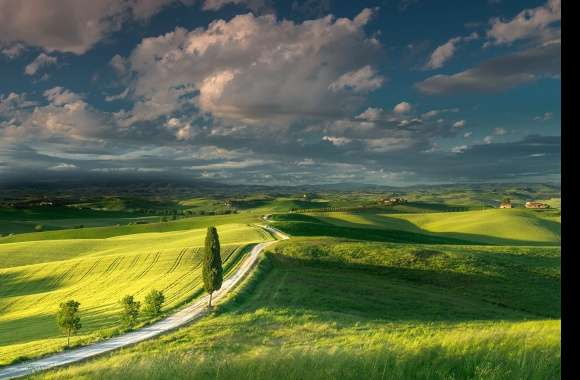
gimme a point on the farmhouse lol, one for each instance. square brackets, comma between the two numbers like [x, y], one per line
[392, 201]
[537, 205]
[505, 204]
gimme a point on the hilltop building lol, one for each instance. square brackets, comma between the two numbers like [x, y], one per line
[537, 205]
[506, 204]
[392, 201]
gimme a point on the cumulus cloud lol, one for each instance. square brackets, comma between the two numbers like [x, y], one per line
[12, 50]
[42, 61]
[66, 116]
[529, 23]
[361, 80]
[119, 64]
[60, 96]
[338, 141]
[70, 26]
[255, 70]
[402, 107]
[459, 124]
[371, 114]
[499, 74]
[446, 51]
[442, 54]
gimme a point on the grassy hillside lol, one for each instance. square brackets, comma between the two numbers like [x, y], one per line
[321, 309]
[37, 275]
[23, 220]
[111, 231]
[515, 226]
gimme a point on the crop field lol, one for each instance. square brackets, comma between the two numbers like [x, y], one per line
[497, 226]
[37, 275]
[112, 231]
[323, 308]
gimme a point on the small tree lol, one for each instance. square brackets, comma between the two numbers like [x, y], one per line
[130, 311]
[153, 303]
[212, 263]
[68, 319]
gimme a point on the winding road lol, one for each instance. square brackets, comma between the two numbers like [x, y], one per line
[184, 316]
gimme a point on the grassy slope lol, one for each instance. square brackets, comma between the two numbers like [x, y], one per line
[322, 309]
[111, 231]
[56, 218]
[36, 276]
[490, 226]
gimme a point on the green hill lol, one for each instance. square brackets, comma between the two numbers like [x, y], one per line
[324, 309]
[37, 275]
[495, 226]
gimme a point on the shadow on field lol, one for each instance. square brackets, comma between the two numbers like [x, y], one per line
[403, 231]
[14, 284]
[386, 294]
[27, 329]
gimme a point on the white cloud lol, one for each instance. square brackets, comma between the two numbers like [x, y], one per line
[459, 124]
[119, 64]
[459, 149]
[255, 70]
[402, 107]
[446, 51]
[467, 135]
[338, 141]
[499, 131]
[183, 130]
[442, 54]
[488, 139]
[371, 114]
[12, 50]
[63, 167]
[545, 117]
[43, 60]
[529, 23]
[60, 96]
[361, 80]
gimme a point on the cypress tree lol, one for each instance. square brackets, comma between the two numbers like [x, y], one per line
[212, 263]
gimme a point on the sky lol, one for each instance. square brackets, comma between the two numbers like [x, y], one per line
[388, 92]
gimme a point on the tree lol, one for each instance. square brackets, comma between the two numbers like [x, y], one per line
[153, 303]
[212, 263]
[68, 319]
[130, 311]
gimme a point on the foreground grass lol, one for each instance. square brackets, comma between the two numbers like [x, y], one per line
[37, 276]
[321, 308]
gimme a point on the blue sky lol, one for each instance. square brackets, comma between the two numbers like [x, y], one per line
[281, 92]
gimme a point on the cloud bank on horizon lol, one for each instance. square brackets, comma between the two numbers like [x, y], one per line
[289, 92]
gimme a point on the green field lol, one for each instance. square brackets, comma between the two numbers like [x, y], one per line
[37, 275]
[423, 290]
[495, 226]
[319, 308]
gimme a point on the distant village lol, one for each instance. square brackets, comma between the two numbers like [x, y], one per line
[506, 203]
